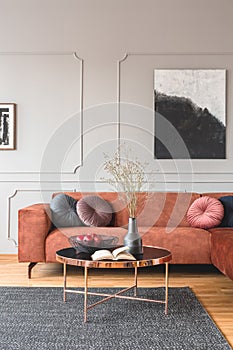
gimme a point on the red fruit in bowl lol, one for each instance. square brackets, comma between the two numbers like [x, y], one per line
[80, 238]
[88, 238]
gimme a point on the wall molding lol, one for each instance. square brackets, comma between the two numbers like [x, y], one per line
[178, 53]
[174, 173]
[144, 53]
[81, 100]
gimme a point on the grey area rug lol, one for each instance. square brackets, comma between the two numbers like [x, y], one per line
[37, 318]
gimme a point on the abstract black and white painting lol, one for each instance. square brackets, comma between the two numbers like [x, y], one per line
[190, 113]
[7, 126]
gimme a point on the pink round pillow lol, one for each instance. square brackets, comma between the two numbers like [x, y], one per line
[94, 211]
[205, 212]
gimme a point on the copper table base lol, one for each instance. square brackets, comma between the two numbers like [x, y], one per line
[147, 260]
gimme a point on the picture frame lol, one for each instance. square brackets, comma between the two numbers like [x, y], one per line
[192, 102]
[7, 126]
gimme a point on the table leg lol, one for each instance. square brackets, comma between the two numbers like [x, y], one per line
[85, 292]
[166, 288]
[135, 280]
[64, 281]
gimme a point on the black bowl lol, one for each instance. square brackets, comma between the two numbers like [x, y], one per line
[91, 242]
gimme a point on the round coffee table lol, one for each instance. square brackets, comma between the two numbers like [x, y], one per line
[151, 256]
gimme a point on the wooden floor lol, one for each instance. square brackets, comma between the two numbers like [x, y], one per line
[214, 290]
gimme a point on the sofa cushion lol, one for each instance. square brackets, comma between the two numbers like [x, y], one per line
[227, 202]
[188, 245]
[63, 211]
[94, 211]
[205, 212]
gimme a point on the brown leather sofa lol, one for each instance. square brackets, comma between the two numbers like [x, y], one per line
[161, 221]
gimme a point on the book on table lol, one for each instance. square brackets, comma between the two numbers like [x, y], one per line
[120, 253]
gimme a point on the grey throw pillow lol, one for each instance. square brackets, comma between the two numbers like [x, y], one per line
[63, 209]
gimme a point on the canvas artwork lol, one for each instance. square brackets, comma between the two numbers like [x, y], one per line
[7, 126]
[190, 113]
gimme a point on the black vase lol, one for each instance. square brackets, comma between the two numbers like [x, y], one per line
[133, 239]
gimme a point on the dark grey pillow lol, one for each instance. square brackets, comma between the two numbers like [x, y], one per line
[227, 202]
[63, 209]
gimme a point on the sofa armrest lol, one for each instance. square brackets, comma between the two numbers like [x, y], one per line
[34, 224]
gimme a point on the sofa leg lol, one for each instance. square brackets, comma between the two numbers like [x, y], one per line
[30, 267]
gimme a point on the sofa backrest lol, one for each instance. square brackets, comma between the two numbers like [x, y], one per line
[164, 209]
[217, 195]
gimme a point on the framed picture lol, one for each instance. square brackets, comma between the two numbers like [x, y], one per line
[7, 126]
[190, 113]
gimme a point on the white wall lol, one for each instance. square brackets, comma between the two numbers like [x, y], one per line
[49, 84]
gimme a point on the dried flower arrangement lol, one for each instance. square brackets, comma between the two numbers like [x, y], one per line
[127, 176]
